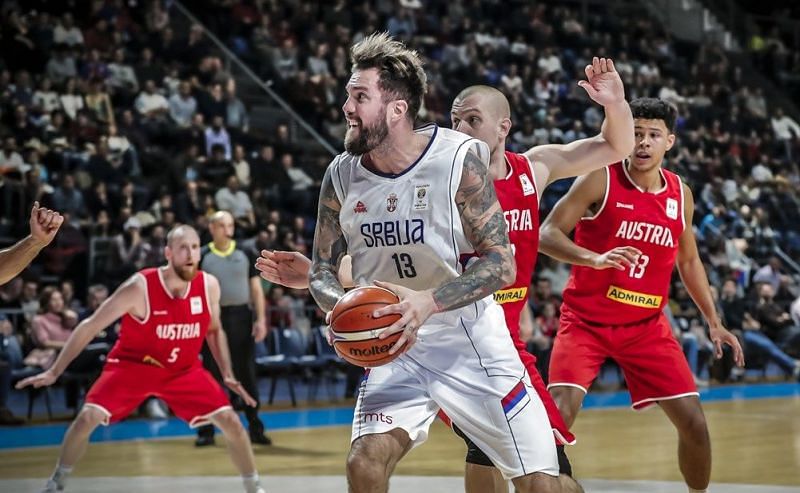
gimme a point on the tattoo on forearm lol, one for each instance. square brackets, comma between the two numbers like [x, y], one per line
[485, 227]
[328, 250]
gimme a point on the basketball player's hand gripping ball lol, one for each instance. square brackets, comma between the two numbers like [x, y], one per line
[414, 309]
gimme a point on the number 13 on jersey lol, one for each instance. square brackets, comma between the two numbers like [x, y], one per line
[637, 268]
[405, 265]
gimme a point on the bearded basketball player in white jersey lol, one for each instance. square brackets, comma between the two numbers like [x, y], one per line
[405, 204]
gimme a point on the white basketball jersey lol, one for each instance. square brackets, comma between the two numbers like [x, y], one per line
[406, 228]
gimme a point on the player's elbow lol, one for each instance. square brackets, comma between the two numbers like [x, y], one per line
[619, 145]
[546, 236]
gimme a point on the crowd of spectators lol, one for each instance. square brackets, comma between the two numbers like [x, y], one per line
[123, 117]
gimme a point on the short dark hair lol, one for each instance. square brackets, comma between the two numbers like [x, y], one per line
[399, 68]
[655, 109]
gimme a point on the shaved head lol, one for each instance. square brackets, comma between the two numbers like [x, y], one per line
[183, 251]
[490, 100]
[180, 232]
[482, 112]
[219, 216]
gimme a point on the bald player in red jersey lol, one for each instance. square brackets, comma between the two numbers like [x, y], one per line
[634, 225]
[166, 314]
[483, 112]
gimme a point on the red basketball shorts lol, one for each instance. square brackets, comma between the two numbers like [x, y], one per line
[653, 362]
[192, 394]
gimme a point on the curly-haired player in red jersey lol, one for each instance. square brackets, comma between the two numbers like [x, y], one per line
[483, 112]
[166, 314]
[634, 225]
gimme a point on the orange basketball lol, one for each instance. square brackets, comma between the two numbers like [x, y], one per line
[355, 330]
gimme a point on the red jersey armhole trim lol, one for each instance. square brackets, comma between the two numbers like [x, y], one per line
[205, 289]
[531, 164]
[605, 196]
[146, 302]
[683, 202]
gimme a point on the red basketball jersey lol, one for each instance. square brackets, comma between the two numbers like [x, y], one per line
[519, 200]
[628, 216]
[172, 332]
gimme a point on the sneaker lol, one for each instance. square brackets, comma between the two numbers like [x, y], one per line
[51, 487]
[204, 441]
[260, 439]
[7, 418]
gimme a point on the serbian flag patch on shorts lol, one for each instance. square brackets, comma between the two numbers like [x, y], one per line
[515, 400]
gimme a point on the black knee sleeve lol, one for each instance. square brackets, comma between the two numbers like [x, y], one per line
[564, 467]
[474, 454]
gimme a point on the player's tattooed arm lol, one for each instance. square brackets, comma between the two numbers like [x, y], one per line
[485, 228]
[329, 248]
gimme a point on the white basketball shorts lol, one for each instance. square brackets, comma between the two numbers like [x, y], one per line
[468, 367]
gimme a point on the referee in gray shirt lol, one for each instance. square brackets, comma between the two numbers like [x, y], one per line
[240, 286]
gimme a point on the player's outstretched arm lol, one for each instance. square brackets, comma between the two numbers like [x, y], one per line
[587, 192]
[291, 269]
[694, 277]
[218, 342]
[44, 225]
[128, 298]
[615, 140]
[328, 249]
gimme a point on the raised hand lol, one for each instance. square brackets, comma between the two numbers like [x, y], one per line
[288, 269]
[619, 258]
[44, 224]
[414, 308]
[603, 83]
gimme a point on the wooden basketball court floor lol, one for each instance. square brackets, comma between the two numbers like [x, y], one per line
[756, 450]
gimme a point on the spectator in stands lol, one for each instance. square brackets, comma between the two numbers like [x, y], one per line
[232, 199]
[541, 294]
[212, 103]
[68, 198]
[71, 100]
[45, 97]
[189, 203]
[786, 131]
[99, 102]
[217, 135]
[147, 68]
[241, 166]
[66, 32]
[216, 170]
[183, 106]
[300, 193]
[285, 60]
[151, 104]
[122, 79]
[7, 339]
[128, 252]
[50, 328]
[61, 65]
[770, 274]
[776, 322]
[236, 117]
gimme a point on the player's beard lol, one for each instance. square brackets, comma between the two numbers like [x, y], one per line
[186, 272]
[368, 137]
